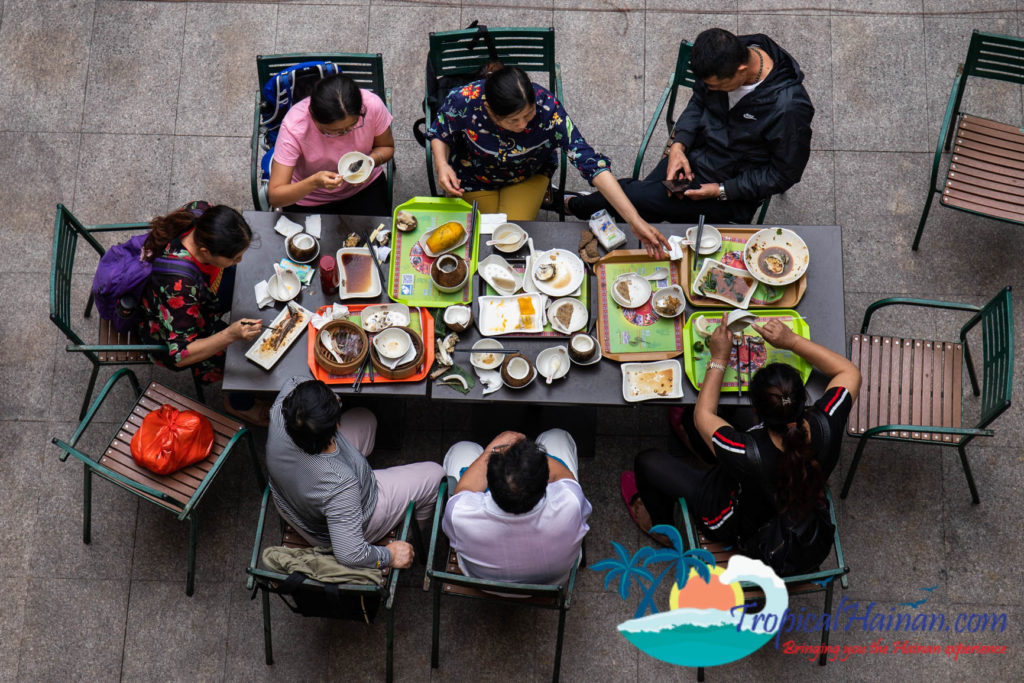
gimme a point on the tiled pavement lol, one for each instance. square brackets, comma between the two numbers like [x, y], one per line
[123, 110]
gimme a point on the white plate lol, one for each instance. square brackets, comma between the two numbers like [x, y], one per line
[375, 287]
[639, 290]
[781, 238]
[492, 263]
[267, 358]
[579, 318]
[632, 373]
[569, 272]
[428, 252]
[382, 316]
[500, 315]
[711, 263]
[392, 364]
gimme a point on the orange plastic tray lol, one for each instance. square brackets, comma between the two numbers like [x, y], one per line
[427, 332]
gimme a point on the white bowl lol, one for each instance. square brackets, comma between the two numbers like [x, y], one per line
[710, 239]
[487, 361]
[665, 292]
[503, 231]
[553, 361]
[783, 243]
[285, 288]
[392, 343]
[359, 176]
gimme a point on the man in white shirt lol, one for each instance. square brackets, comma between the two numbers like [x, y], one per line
[518, 512]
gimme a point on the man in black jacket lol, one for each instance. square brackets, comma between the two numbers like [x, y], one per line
[744, 136]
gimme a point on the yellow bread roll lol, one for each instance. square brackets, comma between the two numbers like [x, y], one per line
[445, 237]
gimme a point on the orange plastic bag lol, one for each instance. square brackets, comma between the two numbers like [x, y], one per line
[170, 439]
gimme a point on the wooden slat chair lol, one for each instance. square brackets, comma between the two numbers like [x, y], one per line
[369, 596]
[986, 170]
[112, 347]
[821, 581]
[449, 580]
[180, 492]
[912, 388]
[455, 53]
[367, 70]
[681, 77]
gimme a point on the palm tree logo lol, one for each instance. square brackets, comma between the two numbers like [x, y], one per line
[703, 626]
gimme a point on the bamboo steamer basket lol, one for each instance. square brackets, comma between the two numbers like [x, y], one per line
[324, 358]
[406, 369]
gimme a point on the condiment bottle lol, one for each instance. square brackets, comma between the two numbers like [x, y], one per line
[329, 279]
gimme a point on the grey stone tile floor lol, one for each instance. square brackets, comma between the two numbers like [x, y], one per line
[124, 110]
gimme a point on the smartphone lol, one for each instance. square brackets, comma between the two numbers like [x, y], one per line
[681, 185]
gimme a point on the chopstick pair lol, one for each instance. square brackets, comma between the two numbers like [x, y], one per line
[498, 351]
[696, 246]
[362, 372]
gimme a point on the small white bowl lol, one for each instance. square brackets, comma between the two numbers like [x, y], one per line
[665, 292]
[392, 343]
[705, 325]
[710, 238]
[487, 361]
[553, 361]
[738, 320]
[503, 231]
[359, 176]
[285, 288]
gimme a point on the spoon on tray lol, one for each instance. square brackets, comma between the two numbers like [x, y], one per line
[507, 241]
[553, 367]
[659, 273]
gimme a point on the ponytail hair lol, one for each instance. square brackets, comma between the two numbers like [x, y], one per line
[507, 89]
[220, 229]
[778, 397]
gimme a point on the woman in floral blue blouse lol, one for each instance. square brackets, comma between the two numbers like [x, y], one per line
[496, 141]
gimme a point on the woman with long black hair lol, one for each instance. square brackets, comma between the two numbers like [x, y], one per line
[777, 467]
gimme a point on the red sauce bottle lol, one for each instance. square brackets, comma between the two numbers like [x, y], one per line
[329, 279]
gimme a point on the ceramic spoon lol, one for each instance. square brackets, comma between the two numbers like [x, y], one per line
[658, 274]
[328, 342]
[511, 239]
[553, 367]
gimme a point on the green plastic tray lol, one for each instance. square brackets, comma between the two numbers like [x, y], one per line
[406, 282]
[695, 362]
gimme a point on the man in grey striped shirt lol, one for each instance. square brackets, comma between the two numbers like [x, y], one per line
[323, 485]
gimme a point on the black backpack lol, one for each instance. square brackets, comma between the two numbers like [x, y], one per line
[439, 87]
[786, 546]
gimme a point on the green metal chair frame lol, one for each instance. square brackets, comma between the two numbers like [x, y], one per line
[266, 582]
[681, 77]
[821, 581]
[66, 232]
[996, 318]
[560, 597]
[991, 56]
[461, 52]
[183, 510]
[367, 70]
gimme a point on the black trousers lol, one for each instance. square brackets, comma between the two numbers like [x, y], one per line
[654, 205]
[662, 478]
[372, 200]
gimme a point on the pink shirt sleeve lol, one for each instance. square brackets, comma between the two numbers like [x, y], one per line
[378, 118]
[287, 150]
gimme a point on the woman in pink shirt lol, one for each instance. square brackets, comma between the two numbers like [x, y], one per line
[336, 119]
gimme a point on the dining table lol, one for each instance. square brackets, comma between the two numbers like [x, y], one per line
[598, 384]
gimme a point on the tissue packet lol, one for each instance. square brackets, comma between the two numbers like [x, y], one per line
[607, 233]
[302, 270]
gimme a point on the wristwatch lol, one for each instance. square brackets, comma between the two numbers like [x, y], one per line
[721, 193]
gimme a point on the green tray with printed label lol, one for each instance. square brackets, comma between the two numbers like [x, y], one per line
[745, 359]
[409, 270]
[734, 241]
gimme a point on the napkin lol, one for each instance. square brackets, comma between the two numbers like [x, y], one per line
[335, 312]
[286, 227]
[263, 298]
[676, 247]
[382, 253]
[491, 380]
[489, 221]
[313, 225]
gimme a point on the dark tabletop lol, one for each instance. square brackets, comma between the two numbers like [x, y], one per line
[601, 383]
[241, 374]
[598, 384]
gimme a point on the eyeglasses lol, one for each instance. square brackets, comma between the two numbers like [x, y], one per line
[356, 126]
